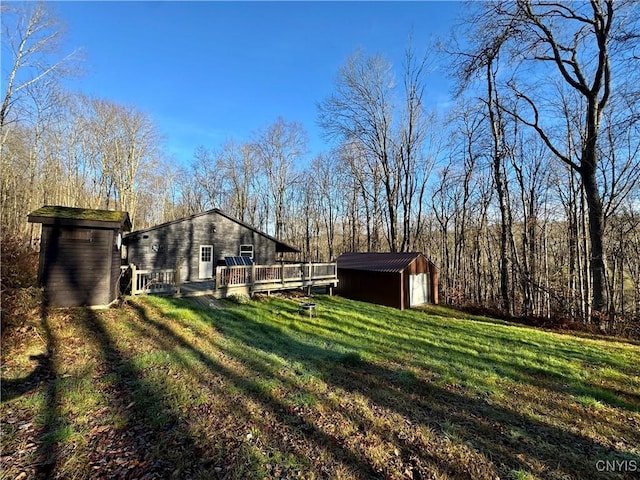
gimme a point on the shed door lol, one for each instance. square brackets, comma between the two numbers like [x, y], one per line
[205, 265]
[419, 289]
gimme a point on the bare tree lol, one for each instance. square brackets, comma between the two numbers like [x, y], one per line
[573, 41]
[467, 125]
[208, 176]
[361, 111]
[365, 175]
[499, 152]
[327, 179]
[415, 161]
[279, 148]
[390, 146]
[31, 108]
[240, 177]
[30, 37]
[119, 144]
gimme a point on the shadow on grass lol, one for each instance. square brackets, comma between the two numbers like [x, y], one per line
[479, 351]
[157, 435]
[16, 387]
[494, 352]
[47, 451]
[153, 440]
[491, 430]
[165, 336]
[45, 378]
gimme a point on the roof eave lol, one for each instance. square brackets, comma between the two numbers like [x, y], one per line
[75, 222]
[286, 248]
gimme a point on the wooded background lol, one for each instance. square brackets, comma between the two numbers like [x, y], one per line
[525, 193]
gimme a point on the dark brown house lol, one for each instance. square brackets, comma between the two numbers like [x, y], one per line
[200, 242]
[80, 254]
[399, 280]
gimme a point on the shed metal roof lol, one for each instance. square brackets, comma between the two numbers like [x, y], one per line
[377, 262]
[72, 216]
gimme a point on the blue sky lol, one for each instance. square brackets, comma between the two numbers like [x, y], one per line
[210, 71]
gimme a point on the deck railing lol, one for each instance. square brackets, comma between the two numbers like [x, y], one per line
[236, 276]
[254, 277]
[273, 274]
[152, 281]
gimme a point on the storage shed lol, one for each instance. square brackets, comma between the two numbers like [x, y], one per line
[200, 242]
[399, 280]
[80, 254]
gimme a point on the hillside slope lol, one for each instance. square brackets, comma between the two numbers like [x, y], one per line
[165, 387]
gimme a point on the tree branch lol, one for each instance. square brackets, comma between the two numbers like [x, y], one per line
[536, 126]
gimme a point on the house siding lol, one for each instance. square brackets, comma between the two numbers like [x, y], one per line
[179, 244]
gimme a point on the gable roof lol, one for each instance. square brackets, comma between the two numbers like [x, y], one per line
[280, 245]
[378, 262]
[80, 217]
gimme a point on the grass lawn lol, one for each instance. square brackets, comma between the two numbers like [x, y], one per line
[161, 388]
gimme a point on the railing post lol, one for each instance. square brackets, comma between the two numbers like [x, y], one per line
[253, 274]
[134, 280]
[176, 278]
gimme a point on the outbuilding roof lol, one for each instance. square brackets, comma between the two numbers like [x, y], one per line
[377, 262]
[80, 217]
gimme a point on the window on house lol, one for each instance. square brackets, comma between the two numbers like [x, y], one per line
[246, 251]
[206, 253]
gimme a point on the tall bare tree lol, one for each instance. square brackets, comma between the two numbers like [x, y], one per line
[326, 177]
[417, 149]
[119, 144]
[361, 110]
[240, 177]
[208, 176]
[280, 147]
[572, 41]
[31, 37]
[31, 106]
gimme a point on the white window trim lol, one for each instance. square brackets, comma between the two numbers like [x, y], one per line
[246, 250]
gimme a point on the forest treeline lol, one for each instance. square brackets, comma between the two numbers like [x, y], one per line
[524, 192]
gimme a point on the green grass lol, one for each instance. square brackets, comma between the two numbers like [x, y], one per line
[255, 390]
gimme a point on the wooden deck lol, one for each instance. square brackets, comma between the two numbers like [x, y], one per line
[237, 280]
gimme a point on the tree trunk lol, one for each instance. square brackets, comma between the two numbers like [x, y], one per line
[596, 235]
[495, 119]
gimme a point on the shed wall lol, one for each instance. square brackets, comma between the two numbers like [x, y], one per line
[76, 266]
[379, 282]
[116, 262]
[382, 288]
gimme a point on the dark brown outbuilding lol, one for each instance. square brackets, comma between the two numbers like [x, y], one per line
[80, 254]
[399, 280]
